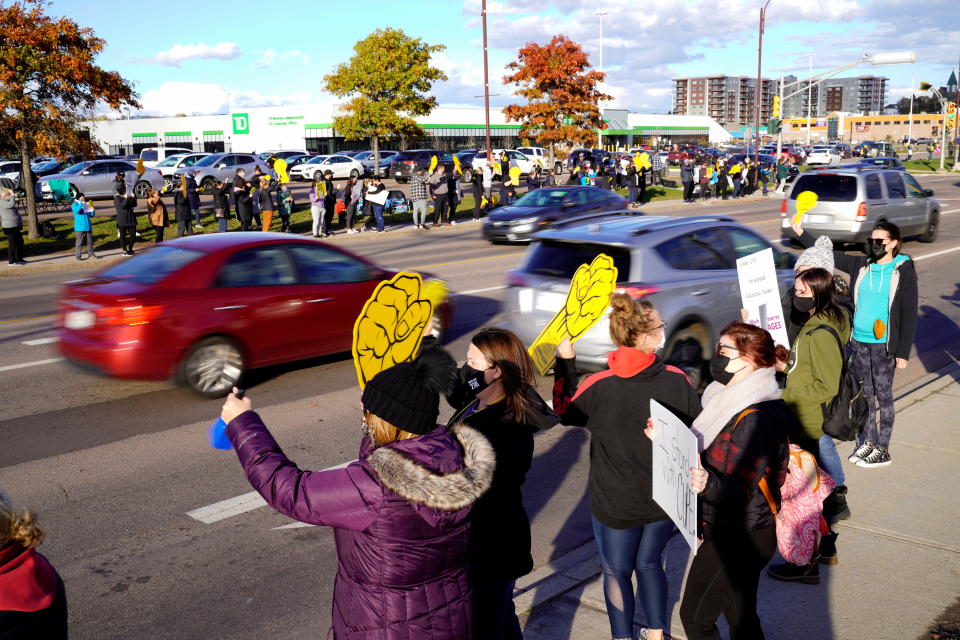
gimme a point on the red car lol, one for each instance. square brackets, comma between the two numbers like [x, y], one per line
[201, 310]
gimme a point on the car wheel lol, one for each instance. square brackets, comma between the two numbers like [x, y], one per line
[212, 367]
[208, 184]
[682, 352]
[354, 173]
[933, 227]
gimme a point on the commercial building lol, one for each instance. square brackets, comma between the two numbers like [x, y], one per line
[850, 128]
[310, 128]
[864, 95]
[730, 100]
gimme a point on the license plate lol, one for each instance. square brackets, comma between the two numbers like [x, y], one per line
[550, 301]
[525, 300]
[79, 320]
[815, 218]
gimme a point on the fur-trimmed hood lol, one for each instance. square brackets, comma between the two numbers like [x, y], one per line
[408, 478]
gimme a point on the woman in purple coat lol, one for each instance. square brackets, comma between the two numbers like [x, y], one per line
[400, 513]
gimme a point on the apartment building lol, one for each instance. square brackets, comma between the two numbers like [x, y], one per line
[730, 100]
[864, 95]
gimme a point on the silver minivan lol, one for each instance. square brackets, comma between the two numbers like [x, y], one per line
[685, 266]
[850, 202]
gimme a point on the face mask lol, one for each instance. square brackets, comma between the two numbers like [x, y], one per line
[662, 343]
[803, 305]
[876, 251]
[473, 379]
[718, 369]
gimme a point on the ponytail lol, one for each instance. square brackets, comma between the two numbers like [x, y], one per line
[629, 319]
[16, 526]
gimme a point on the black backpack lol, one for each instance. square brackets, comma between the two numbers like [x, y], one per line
[846, 415]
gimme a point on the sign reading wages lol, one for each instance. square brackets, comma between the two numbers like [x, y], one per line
[674, 453]
[760, 294]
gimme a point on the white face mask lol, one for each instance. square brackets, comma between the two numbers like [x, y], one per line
[663, 341]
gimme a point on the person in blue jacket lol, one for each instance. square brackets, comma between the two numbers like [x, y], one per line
[82, 225]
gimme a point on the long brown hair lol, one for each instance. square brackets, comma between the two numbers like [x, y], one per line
[824, 290]
[504, 350]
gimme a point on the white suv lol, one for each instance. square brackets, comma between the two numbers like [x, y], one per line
[152, 156]
[537, 154]
[823, 154]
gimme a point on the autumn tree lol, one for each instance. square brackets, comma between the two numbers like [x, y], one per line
[388, 80]
[49, 82]
[560, 87]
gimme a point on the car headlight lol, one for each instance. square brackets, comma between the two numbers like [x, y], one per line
[526, 221]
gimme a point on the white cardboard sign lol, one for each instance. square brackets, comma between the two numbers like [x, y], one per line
[760, 294]
[674, 453]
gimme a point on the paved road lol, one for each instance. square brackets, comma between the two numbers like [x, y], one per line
[115, 467]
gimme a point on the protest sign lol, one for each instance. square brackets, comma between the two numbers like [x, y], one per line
[760, 294]
[587, 300]
[674, 453]
[390, 327]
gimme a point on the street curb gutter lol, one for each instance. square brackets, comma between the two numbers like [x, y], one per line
[572, 569]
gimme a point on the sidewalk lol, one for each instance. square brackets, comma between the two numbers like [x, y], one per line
[899, 554]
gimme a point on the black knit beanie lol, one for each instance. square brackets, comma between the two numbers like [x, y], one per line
[407, 395]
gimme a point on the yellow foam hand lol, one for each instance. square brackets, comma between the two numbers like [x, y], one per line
[645, 161]
[515, 176]
[280, 166]
[140, 168]
[806, 200]
[456, 165]
[587, 300]
[391, 325]
[433, 163]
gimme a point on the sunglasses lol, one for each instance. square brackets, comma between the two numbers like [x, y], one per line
[878, 241]
[720, 346]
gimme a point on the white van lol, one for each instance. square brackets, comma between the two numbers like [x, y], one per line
[537, 154]
[152, 156]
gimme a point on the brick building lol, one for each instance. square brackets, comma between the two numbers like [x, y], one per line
[730, 100]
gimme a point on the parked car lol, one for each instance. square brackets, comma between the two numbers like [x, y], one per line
[516, 159]
[46, 167]
[845, 150]
[685, 266]
[171, 164]
[293, 161]
[280, 153]
[366, 159]
[10, 169]
[223, 166]
[823, 155]
[152, 156]
[203, 310]
[766, 160]
[595, 156]
[542, 208]
[882, 163]
[538, 154]
[94, 178]
[341, 166]
[403, 165]
[871, 148]
[851, 200]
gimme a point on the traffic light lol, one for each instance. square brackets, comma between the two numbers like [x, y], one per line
[951, 111]
[774, 126]
[925, 86]
[776, 107]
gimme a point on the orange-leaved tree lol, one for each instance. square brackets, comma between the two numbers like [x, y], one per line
[49, 82]
[560, 88]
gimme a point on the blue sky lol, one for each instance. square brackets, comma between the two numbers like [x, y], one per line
[212, 55]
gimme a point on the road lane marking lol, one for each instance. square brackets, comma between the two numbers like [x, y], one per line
[33, 343]
[24, 365]
[472, 291]
[27, 319]
[443, 264]
[936, 253]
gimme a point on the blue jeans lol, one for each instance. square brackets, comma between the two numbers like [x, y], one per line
[221, 225]
[830, 459]
[494, 616]
[623, 551]
[378, 214]
[196, 215]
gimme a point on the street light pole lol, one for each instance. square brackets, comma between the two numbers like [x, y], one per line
[913, 83]
[601, 13]
[777, 115]
[810, 96]
[756, 130]
[486, 83]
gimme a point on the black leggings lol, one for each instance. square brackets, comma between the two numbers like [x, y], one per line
[128, 235]
[723, 579]
[158, 233]
[14, 244]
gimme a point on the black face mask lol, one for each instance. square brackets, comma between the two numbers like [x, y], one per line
[803, 305]
[473, 380]
[718, 365]
[876, 251]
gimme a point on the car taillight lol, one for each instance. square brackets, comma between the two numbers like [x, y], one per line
[862, 212]
[129, 316]
[516, 279]
[783, 208]
[637, 291]
[409, 163]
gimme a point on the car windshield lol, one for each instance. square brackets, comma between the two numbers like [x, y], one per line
[542, 198]
[154, 265]
[363, 155]
[317, 159]
[561, 260]
[77, 168]
[46, 166]
[829, 187]
[209, 161]
[170, 161]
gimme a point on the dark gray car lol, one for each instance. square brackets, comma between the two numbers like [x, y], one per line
[685, 266]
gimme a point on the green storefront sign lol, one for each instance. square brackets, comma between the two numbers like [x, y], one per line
[241, 123]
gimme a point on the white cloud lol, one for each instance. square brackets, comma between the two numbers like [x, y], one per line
[270, 57]
[204, 98]
[180, 53]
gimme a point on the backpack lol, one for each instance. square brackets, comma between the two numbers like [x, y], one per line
[846, 415]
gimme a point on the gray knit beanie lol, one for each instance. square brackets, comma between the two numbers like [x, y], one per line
[819, 255]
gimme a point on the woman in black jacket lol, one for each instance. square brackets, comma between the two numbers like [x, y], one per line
[885, 298]
[742, 437]
[496, 397]
[244, 207]
[126, 204]
[631, 530]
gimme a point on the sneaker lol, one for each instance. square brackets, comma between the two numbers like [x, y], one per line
[95, 256]
[79, 259]
[453, 222]
[879, 457]
[860, 452]
[835, 506]
[828, 549]
[788, 572]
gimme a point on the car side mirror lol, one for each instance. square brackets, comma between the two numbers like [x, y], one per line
[221, 166]
[85, 172]
[928, 193]
[566, 204]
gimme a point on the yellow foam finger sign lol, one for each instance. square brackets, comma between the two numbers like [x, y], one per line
[515, 176]
[806, 200]
[390, 327]
[280, 166]
[586, 302]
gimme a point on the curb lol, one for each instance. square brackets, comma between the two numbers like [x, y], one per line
[580, 565]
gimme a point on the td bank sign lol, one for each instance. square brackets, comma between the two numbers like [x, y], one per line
[241, 123]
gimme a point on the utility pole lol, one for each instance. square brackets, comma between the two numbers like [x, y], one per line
[943, 133]
[777, 115]
[810, 96]
[601, 13]
[756, 131]
[956, 125]
[913, 84]
[486, 83]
